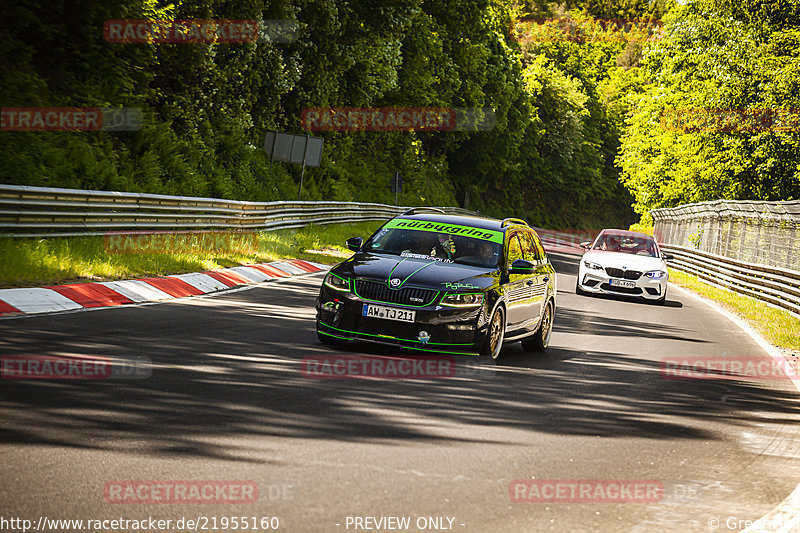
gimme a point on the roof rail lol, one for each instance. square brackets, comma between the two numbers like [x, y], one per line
[509, 221]
[415, 210]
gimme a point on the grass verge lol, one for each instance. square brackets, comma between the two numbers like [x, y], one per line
[29, 262]
[777, 326]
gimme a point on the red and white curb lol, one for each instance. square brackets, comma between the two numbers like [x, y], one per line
[112, 293]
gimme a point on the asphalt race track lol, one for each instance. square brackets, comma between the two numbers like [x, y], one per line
[226, 399]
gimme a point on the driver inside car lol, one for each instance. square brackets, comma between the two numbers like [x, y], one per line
[485, 252]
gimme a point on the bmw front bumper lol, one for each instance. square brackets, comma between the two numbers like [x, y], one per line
[599, 282]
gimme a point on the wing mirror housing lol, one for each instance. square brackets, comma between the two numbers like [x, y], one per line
[520, 266]
[354, 243]
[585, 245]
[667, 257]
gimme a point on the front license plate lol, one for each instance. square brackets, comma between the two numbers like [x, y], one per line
[388, 313]
[622, 283]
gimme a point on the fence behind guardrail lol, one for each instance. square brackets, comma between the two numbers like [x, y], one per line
[756, 232]
[751, 247]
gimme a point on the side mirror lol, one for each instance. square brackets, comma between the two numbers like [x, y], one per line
[666, 257]
[586, 245]
[354, 243]
[520, 266]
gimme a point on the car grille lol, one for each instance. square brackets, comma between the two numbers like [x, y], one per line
[375, 290]
[623, 290]
[619, 273]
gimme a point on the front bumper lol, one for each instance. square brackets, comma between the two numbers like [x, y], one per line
[435, 328]
[599, 282]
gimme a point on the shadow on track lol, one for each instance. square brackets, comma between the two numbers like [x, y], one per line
[231, 366]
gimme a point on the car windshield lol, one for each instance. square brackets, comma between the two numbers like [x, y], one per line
[435, 246]
[628, 244]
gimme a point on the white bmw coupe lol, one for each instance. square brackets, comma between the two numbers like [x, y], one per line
[624, 263]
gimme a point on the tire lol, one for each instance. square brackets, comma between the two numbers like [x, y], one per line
[663, 299]
[495, 334]
[328, 340]
[539, 341]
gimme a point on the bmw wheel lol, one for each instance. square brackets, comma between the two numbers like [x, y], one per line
[539, 341]
[495, 335]
[578, 289]
[663, 299]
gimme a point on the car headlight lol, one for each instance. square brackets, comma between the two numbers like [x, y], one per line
[593, 266]
[460, 299]
[655, 274]
[336, 283]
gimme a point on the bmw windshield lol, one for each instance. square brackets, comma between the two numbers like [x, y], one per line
[614, 242]
[439, 242]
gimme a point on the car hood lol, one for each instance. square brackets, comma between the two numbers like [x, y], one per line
[623, 260]
[417, 272]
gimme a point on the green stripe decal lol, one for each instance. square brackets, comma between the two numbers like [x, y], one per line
[397, 338]
[392, 271]
[409, 276]
[450, 229]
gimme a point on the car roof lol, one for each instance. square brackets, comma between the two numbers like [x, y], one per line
[462, 220]
[626, 233]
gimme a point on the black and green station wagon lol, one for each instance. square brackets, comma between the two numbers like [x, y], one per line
[427, 280]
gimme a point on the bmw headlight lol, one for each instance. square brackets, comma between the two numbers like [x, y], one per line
[337, 283]
[655, 274]
[460, 299]
[593, 266]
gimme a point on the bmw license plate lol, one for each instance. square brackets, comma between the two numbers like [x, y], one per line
[388, 313]
[622, 283]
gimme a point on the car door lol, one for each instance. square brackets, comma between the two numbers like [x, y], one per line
[517, 292]
[536, 283]
[545, 274]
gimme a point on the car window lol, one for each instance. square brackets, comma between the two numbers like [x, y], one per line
[514, 249]
[538, 244]
[529, 251]
[629, 244]
[482, 249]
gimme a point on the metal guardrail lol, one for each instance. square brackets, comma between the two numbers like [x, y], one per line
[50, 212]
[749, 247]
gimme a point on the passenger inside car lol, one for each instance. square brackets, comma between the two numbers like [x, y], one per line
[610, 244]
[645, 248]
[445, 247]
